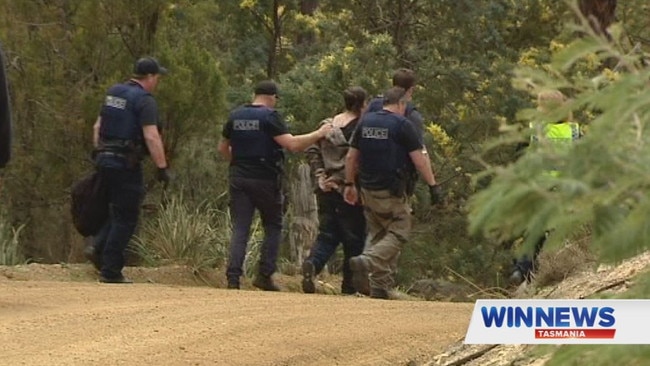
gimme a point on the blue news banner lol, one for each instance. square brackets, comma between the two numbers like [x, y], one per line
[559, 322]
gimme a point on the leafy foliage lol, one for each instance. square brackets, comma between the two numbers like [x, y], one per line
[603, 184]
[178, 233]
[63, 54]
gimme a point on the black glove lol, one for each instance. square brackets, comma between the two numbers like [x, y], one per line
[163, 175]
[436, 194]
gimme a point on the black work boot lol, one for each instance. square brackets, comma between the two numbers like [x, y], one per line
[308, 274]
[265, 283]
[347, 288]
[360, 269]
[233, 284]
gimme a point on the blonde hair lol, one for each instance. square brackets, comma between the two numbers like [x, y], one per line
[548, 100]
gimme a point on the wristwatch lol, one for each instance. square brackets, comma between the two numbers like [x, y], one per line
[348, 184]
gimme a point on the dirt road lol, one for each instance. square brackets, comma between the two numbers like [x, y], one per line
[84, 323]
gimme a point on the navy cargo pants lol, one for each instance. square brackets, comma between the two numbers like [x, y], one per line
[125, 187]
[247, 195]
[342, 223]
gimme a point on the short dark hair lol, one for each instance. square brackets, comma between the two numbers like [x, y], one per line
[404, 78]
[395, 95]
[354, 98]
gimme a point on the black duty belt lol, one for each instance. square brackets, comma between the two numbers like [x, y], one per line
[111, 153]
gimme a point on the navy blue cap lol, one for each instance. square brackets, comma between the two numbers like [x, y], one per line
[148, 65]
[266, 87]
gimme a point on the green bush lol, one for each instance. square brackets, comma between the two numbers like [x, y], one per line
[10, 253]
[181, 233]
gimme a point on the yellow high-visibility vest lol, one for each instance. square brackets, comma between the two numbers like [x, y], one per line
[559, 134]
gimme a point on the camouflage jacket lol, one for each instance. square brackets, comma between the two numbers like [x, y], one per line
[327, 156]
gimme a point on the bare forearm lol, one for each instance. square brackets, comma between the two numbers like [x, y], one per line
[96, 132]
[155, 145]
[224, 150]
[301, 142]
[423, 166]
[157, 151]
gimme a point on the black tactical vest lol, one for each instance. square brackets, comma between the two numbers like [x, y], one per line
[119, 122]
[249, 140]
[384, 163]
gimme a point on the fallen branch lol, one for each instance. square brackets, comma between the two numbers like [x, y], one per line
[472, 356]
[463, 278]
[607, 287]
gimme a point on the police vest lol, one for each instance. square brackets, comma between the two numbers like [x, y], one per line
[384, 163]
[561, 135]
[119, 122]
[249, 140]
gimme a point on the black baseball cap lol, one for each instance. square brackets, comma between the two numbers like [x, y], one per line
[266, 87]
[148, 65]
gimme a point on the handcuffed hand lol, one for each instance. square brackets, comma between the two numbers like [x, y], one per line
[322, 183]
[327, 184]
[437, 194]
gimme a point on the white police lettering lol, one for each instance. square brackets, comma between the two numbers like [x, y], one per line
[246, 125]
[376, 133]
[115, 102]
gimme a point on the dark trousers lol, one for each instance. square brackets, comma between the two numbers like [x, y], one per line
[126, 190]
[342, 223]
[246, 195]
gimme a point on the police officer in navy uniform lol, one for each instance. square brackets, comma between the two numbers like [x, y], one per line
[126, 130]
[385, 150]
[407, 80]
[253, 139]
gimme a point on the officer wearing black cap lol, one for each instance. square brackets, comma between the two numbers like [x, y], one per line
[253, 139]
[384, 150]
[126, 130]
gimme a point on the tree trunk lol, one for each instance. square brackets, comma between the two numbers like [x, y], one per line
[274, 41]
[304, 223]
[307, 37]
[398, 32]
[600, 14]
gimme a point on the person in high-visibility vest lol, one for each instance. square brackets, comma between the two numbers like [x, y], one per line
[560, 134]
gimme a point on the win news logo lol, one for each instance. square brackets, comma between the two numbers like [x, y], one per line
[553, 322]
[558, 322]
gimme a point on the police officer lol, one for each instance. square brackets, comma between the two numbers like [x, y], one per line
[253, 138]
[126, 130]
[558, 135]
[384, 151]
[405, 79]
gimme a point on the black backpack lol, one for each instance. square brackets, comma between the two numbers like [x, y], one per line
[89, 204]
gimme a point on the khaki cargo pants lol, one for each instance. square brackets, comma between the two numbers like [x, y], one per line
[388, 220]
